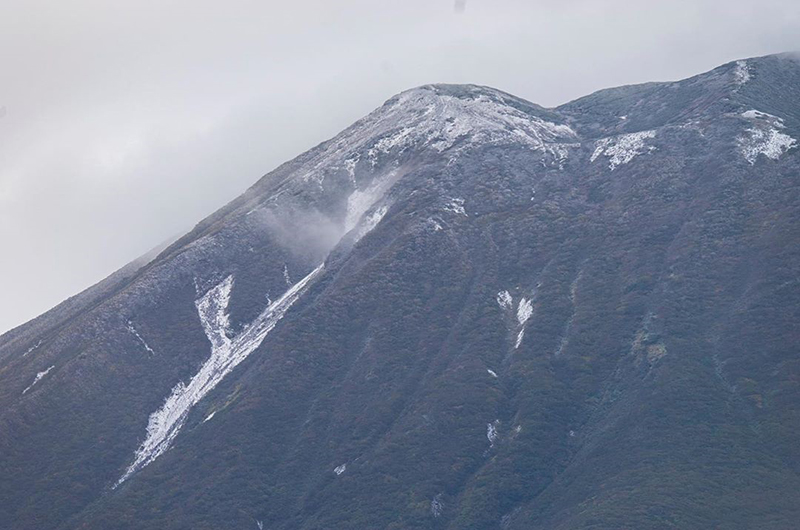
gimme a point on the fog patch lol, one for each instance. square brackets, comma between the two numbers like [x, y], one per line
[303, 232]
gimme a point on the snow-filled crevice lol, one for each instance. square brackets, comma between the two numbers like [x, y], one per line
[227, 352]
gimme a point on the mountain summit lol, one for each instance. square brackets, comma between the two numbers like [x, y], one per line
[465, 311]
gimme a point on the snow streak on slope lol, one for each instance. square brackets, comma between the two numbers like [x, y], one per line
[622, 149]
[226, 353]
[38, 378]
[30, 350]
[132, 331]
[524, 312]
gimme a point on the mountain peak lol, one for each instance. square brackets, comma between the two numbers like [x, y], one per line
[463, 311]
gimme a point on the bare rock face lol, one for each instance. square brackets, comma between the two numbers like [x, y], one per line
[465, 311]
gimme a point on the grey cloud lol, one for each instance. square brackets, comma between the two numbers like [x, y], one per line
[126, 122]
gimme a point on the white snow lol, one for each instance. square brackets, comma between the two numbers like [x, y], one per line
[38, 378]
[754, 114]
[370, 221]
[432, 118]
[491, 432]
[455, 206]
[520, 336]
[764, 137]
[524, 311]
[622, 149]
[32, 348]
[492, 373]
[767, 141]
[135, 333]
[742, 72]
[504, 300]
[361, 201]
[226, 353]
[350, 166]
[286, 276]
[437, 505]
[340, 469]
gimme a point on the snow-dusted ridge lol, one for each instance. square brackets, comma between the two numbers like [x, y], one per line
[439, 118]
[226, 353]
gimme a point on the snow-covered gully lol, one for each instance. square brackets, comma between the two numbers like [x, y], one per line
[226, 353]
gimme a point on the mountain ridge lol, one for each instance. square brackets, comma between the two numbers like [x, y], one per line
[509, 295]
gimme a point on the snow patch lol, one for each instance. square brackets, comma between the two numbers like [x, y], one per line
[361, 201]
[491, 432]
[754, 114]
[456, 206]
[504, 300]
[767, 141]
[38, 378]
[524, 311]
[622, 149]
[369, 222]
[226, 353]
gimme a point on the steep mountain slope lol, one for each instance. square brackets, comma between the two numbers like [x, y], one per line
[465, 311]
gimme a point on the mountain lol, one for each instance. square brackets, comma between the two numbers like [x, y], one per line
[465, 311]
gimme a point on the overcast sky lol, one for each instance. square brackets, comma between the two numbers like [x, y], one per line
[124, 123]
